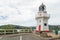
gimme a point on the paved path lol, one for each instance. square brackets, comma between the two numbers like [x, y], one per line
[28, 36]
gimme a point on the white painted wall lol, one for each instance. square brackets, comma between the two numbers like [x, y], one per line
[43, 20]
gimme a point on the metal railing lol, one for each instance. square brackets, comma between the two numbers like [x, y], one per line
[6, 31]
[12, 31]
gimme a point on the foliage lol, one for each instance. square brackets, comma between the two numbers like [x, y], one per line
[54, 27]
[7, 27]
[13, 27]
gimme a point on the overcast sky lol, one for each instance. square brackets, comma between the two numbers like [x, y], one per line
[22, 12]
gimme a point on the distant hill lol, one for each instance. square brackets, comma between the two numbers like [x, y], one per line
[54, 27]
[9, 26]
[12, 27]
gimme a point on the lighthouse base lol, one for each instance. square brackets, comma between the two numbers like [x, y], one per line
[42, 31]
[46, 31]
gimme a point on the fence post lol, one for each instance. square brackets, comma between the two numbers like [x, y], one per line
[13, 30]
[4, 31]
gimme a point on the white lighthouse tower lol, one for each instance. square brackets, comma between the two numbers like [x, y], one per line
[42, 19]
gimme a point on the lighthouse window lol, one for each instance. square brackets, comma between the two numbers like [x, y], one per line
[45, 24]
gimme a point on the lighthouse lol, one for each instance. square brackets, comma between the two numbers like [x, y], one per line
[42, 19]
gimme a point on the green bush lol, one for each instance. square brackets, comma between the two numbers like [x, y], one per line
[9, 30]
[1, 30]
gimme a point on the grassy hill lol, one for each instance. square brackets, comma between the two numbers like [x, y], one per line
[9, 26]
[13, 27]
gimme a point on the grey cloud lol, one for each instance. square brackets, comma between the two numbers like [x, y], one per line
[26, 8]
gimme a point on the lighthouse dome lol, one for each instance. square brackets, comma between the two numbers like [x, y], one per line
[42, 7]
